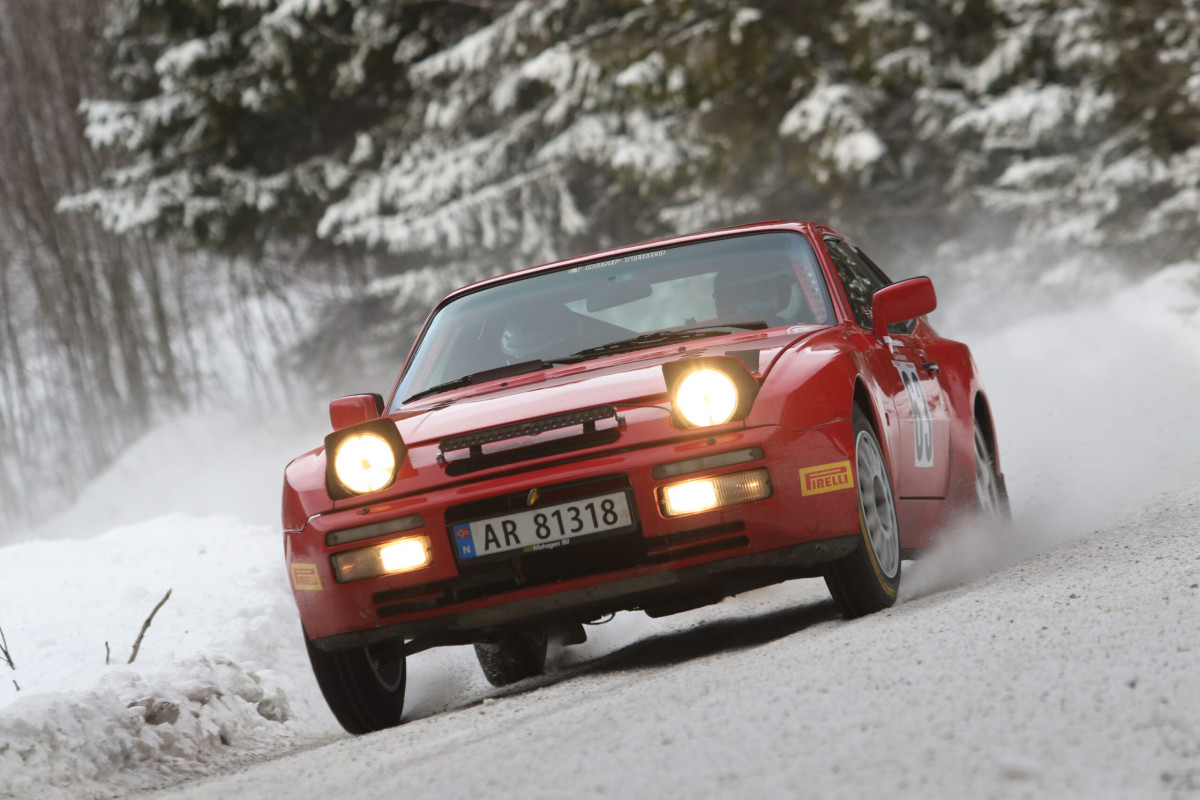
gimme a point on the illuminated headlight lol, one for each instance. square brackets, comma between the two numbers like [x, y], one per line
[364, 463]
[401, 555]
[705, 494]
[706, 397]
[710, 390]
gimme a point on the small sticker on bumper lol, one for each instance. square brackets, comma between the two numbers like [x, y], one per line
[463, 540]
[826, 478]
[305, 578]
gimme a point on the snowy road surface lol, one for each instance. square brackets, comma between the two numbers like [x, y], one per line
[1071, 674]
[1060, 659]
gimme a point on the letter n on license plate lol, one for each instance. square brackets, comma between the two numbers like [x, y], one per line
[544, 528]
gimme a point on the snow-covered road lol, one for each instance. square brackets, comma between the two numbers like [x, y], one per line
[1072, 674]
[1058, 659]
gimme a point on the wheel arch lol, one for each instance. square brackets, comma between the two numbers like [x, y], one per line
[883, 433]
[862, 399]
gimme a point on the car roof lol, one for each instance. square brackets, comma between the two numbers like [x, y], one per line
[753, 227]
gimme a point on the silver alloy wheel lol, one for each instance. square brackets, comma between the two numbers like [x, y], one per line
[987, 490]
[876, 505]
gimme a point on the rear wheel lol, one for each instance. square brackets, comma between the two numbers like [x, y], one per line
[512, 656]
[363, 686]
[866, 580]
[991, 497]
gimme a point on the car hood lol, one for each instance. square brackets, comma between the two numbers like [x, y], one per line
[622, 378]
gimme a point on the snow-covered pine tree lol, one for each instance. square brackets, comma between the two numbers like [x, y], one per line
[239, 116]
[466, 139]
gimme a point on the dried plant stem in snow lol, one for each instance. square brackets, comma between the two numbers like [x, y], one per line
[146, 625]
[7, 656]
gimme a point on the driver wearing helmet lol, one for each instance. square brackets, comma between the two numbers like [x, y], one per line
[546, 331]
[744, 293]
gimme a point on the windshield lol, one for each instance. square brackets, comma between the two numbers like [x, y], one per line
[762, 280]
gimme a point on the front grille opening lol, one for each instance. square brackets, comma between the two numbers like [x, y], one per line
[696, 542]
[393, 602]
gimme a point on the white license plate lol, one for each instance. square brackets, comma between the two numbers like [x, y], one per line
[542, 528]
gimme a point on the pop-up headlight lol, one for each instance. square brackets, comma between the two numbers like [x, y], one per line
[709, 391]
[362, 459]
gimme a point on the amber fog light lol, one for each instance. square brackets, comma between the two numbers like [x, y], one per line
[401, 555]
[705, 494]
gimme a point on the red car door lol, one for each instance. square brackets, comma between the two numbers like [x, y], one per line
[924, 417]
[903, 370]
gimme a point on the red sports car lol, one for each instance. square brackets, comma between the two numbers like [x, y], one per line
[654, 427]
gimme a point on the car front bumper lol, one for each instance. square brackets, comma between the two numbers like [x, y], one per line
[665, 564]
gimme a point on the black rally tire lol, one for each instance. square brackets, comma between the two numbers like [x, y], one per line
[363, 686]
[512, 656]
[867, 580]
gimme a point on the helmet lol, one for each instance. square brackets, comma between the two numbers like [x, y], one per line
[747, 293]
[538, 332]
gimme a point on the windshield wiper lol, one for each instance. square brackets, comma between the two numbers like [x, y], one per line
[623, 345]
[483, 376]
[665, 337]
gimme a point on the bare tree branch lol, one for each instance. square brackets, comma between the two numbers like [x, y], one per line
[146, 625]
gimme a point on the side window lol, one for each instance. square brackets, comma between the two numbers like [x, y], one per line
[859, 280]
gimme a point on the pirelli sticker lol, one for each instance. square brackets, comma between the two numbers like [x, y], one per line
[305, 578]
[826, 478]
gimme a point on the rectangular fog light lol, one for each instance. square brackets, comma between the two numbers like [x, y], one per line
[401, 555]
[705, 494]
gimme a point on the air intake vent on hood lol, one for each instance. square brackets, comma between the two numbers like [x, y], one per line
[475, 441]
[587, 417]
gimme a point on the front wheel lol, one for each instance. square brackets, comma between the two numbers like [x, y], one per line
[866, 580]
[512, 656]
[364, 686]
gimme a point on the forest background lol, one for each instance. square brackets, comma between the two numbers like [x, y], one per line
[252, 204]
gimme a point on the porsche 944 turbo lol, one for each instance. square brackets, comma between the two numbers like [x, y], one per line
[653, 427]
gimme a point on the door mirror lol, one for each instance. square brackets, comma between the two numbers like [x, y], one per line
[901, 302]
[355, 409]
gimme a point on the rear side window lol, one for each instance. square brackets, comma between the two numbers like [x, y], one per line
[858, 279]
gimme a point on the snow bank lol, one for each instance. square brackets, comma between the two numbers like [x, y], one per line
[133, 731]
[221, 673]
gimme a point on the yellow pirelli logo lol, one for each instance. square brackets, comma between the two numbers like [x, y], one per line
[826, 478]
[305, 578]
